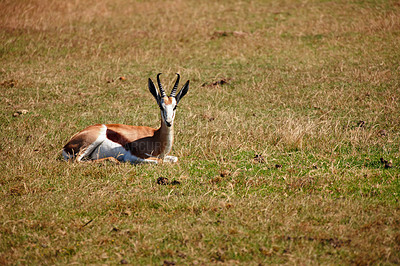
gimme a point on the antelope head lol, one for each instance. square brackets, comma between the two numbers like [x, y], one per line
[168, 104]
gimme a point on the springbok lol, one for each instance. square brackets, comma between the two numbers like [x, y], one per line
[125, 143]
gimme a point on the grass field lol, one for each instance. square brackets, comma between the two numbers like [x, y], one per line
[288, 140]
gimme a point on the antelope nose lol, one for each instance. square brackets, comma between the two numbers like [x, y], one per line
[168, 124]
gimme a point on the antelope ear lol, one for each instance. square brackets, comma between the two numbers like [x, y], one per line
[182, 92]
[154, 91]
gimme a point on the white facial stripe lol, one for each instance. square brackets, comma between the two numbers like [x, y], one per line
[167, 110]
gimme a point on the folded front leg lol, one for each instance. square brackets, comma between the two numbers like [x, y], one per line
[170, 159]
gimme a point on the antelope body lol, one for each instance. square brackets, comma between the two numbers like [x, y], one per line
[125, 143]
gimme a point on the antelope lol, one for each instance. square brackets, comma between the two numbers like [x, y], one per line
[125, 143]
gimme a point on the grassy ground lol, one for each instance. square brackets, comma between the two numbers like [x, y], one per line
[280, 163]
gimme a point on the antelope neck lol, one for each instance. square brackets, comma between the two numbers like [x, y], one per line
[166, 138]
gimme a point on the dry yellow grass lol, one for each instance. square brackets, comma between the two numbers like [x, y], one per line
[312, 92]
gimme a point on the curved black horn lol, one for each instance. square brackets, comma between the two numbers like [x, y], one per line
[160, 86]
[173, 92]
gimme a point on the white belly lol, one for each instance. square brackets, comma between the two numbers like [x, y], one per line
[109, 148]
